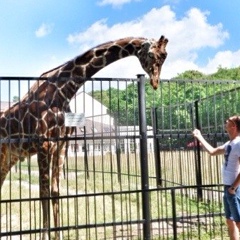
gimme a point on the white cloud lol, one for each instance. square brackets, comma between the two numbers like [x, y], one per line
[186, 37]
[43, 30]
[226, 59]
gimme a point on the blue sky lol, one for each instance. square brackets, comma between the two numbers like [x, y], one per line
[36, 36]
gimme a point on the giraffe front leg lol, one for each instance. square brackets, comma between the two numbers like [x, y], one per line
[45, 209]
[44, 193]
[55, 205]
[57, 171]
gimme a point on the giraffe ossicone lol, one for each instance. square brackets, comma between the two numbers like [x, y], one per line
[39, 115]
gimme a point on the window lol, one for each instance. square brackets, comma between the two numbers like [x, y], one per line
[97, 147]
[84, 147]
[94, 130]
[75, 147]
[132, 146]
[122, 146]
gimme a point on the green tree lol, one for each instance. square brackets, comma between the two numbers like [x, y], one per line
[175, 99]
[190, 74]
[226, 74]
[15, 98]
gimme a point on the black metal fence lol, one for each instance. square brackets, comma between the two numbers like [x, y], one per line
[133, 169]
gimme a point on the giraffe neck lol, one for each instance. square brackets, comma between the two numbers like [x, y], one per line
[92, 61]
[83, 66]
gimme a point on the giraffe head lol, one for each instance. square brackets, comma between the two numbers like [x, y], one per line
[152, 56]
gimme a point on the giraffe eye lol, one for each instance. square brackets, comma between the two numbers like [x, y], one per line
[151, 55]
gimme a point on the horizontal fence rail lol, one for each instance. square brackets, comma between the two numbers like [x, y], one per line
[130, 171]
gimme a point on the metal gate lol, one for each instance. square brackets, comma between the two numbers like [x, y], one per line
[132, 169]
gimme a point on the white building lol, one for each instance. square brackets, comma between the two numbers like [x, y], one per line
[92, 109]
[5, 105]
[130, 140]
[98, 129]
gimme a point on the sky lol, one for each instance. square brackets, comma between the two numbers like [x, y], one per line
[36, 36]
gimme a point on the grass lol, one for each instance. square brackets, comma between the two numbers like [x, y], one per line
[91, 201]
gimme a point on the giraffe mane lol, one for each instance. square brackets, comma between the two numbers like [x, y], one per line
[97, 46]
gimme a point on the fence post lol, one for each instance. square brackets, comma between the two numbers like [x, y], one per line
[198, 157]
[144, 156]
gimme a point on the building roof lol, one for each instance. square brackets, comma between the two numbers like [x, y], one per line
[95, 129]
[5, 105]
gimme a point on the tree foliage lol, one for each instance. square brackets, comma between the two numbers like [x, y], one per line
[221, 74]
[174, 99]
[15, 98]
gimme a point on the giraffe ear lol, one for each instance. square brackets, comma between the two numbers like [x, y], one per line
[162, 41]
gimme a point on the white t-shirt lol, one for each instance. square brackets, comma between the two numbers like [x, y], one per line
[230, 168]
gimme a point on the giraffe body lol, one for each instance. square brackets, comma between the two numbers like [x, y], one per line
[35, 124]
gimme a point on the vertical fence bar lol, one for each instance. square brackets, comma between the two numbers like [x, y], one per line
[174, 213]
[86, 153]
[144, 156]
[198, 157]
[118, 149]
[158, 168]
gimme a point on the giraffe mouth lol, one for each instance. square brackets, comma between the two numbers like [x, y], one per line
[154, 82]
[154, 76]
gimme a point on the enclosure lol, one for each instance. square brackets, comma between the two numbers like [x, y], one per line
[132, 169]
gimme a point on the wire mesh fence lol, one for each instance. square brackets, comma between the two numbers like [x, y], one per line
[109, 189]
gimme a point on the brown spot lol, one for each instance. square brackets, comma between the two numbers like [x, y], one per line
[100, 52]
[84, 59]
[78, 71]
[69, 66]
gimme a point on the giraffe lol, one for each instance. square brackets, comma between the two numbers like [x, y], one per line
[35, 124]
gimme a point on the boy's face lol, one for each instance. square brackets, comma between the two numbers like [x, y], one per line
[230, 125]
